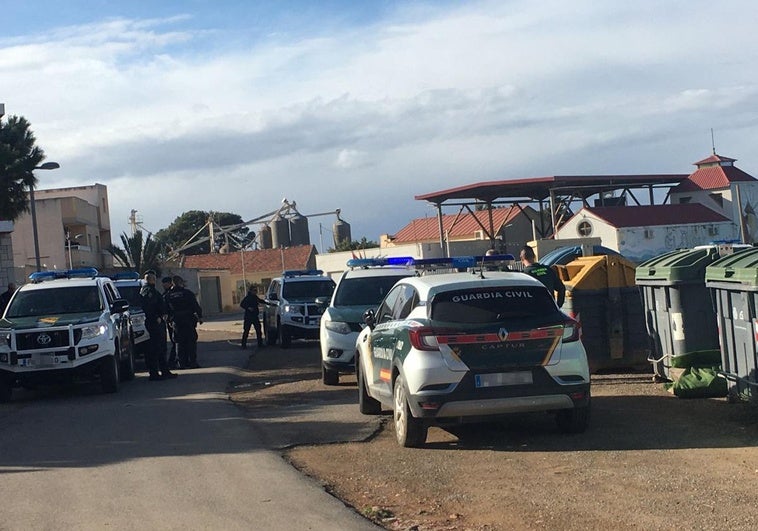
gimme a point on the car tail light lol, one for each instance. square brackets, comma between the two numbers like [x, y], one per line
[571, 330]
[423, 338]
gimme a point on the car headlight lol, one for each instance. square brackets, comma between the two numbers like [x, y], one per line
[337, 326]
[88, 332]
[293, 308]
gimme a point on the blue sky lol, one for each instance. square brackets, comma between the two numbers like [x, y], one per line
[234, 105]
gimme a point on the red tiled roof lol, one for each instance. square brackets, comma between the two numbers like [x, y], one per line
[652, 215]
[715, 158]
[712, 178]
[262, 260]
[425, 229]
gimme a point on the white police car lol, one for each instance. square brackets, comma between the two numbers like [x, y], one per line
[296, 301]
[456, 347]
[129, 286]
[65, 324]
[361, 287]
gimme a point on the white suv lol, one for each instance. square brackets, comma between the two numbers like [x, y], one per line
[296, 301]
[358, 289]
[129, 286]
[458, 347]
[62, 325]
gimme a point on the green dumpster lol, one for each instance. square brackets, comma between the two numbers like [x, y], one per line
[734, 284]
[602, 296]
[679, 315]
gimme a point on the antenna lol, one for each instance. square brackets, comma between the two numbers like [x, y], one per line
[713, 142]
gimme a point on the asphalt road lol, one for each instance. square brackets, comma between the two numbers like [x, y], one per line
[156, 455]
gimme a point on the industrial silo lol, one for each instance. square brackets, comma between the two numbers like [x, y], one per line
[341, 230]
[264, 237]
[280, 233]
[299, 230]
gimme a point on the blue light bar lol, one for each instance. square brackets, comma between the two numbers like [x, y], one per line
[460, 262]
[379, 262]
[85, 272]
[125, 275]
[302, 272]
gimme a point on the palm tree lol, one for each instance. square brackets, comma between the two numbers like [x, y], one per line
[18, 159]
[137, 255]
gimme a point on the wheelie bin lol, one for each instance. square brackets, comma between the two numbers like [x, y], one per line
[602, 296]
[679, 315]
[734, 284]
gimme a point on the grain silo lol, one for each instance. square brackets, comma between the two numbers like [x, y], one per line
[299, 234]
[280, 233]
[264, 237]
[341, 230]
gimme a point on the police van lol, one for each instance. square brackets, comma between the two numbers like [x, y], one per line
[454, 347]
[65, 325]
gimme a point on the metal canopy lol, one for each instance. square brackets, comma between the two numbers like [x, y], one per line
[559, 190]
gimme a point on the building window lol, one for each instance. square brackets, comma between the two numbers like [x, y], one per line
[649, 234]
[584, 228]
[718, 199]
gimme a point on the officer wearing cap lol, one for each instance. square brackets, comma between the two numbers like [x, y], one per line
[155, 310]
[186, 314]
[171, 357]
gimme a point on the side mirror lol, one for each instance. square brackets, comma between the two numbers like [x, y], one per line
[322, 301]
[119, 306]
[273, 297]
[369, 318]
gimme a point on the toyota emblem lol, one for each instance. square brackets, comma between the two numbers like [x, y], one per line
[44, 339]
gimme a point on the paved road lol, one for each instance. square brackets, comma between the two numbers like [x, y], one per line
[156, 455]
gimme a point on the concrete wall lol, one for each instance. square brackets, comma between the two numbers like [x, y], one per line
[7, 273]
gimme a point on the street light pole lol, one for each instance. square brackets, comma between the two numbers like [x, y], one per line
[45, 166]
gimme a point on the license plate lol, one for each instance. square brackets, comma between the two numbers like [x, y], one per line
[503, 378]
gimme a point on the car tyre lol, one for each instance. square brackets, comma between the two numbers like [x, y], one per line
[329, 376]
[366, 404]
[109, 377]
[127, 365]
[410, 431]
[573, 420]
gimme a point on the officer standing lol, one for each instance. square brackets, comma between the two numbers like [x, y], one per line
[155, 311]
[171, 359]
[252, 316]
[186, 314]
[543, 273]
[5, 297]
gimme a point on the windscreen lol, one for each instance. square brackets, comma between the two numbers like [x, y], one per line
[307, 290]
[55, 301]
[131, 294]
[496, 304]
[364, 291]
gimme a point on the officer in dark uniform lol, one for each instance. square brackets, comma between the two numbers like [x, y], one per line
[155, 312]
[252, 316]
[544, 274]
[186, 314]
[171, 358]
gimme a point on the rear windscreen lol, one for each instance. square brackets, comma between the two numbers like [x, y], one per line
[489, 305]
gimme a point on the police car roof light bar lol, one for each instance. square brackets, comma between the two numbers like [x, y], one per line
[460, 262]
[85, 272]
[125, 275]
[302, 272]
[379, 262]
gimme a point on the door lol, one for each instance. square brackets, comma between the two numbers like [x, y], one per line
[210, 295]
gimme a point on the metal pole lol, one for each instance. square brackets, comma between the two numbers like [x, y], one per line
[34, 228]
[68, 242]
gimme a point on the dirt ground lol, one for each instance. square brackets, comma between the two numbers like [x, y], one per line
[649, 461]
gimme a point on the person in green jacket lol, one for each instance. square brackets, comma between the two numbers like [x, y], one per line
[544, 274]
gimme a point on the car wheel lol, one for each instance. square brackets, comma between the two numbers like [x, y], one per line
[410, 431]
[286, 338]
[6, 389]
[573, 420]
[366, 404]
[127, 365]
[109, 373]
[269, 333]
[330, 377]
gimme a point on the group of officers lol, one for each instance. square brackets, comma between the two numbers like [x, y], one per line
[173, 314]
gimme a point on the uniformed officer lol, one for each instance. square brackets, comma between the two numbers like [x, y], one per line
[155, 312]
[171, 356]
[252, 316]
[186, 314]
[544, 274]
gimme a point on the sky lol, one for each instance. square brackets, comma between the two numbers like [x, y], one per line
[234, 105]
